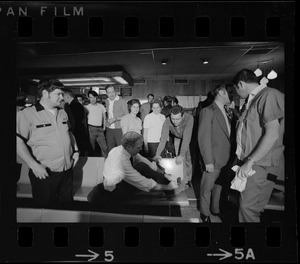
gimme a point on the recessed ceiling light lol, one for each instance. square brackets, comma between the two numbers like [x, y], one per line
[205, 61]
[164, 62]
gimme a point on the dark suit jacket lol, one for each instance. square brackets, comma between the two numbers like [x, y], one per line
[213, 136]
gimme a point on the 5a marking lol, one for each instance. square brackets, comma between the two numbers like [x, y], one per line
[238, 254]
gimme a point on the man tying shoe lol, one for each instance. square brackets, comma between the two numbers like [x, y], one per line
[126, 172]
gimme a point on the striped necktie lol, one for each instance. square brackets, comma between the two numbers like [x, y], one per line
[228, 113]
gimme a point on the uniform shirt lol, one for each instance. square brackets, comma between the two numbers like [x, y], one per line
[183, 132]
[131, 123]
[239, 147]
[47, 135]
[117, 167]
[266, 105]
[95, 114]
[154, 124]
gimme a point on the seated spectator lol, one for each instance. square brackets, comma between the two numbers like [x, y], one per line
[127, 172]
[131, 122]
[153, 123]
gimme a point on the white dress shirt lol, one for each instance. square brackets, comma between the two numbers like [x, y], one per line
[117, 167]
[110, 110]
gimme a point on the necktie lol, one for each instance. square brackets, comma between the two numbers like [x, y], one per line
[131, 160]
[228, 113]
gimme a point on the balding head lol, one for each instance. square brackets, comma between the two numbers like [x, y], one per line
[132, 142]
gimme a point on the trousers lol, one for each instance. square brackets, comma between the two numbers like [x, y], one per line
[124, 190]
[97, 135]
[206, 187]
[113, 138]
[256, 195]
[57, 188]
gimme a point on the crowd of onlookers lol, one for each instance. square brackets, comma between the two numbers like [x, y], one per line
[133, 138]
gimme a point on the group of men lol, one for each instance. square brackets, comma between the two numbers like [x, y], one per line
[46, 143]
[94, 123]
[255, 147]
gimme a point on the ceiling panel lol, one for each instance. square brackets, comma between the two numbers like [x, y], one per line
[143, 60]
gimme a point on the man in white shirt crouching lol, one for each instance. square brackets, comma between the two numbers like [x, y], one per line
[127, 172]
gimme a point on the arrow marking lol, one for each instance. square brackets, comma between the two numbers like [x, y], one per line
[92, 257]
[224, 255]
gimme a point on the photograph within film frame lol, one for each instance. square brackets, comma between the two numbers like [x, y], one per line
[142, 43]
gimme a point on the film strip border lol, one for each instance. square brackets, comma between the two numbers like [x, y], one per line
[164, 242]
[131, 27]
[217, 21]
[175, 22]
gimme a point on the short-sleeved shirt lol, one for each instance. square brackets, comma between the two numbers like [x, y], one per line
[95, 114]
[154, 124]
[48, 136]
[266, 106]
[117, 167]
[131, 123]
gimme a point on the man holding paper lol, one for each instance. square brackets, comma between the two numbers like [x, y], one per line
[260, 130]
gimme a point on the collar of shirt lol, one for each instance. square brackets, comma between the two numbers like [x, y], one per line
[125, 153]
[116, 98]
[255, 92]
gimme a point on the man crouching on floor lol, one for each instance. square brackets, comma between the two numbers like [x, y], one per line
[126, 172]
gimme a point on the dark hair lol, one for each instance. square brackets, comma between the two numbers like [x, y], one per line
[132, 102]
[80, 95]
[157, 101]
[176, 109]
[150, 95]
[109, 86]
[130, 138]
[69, 92]
[21, 99]
[174, 100]
[168, 99]
[217, 89]
[93, 93]
[49, 85]
[246, 76]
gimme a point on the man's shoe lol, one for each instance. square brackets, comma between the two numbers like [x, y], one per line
[205, 219]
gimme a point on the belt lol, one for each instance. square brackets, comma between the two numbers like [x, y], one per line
[94, 126]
